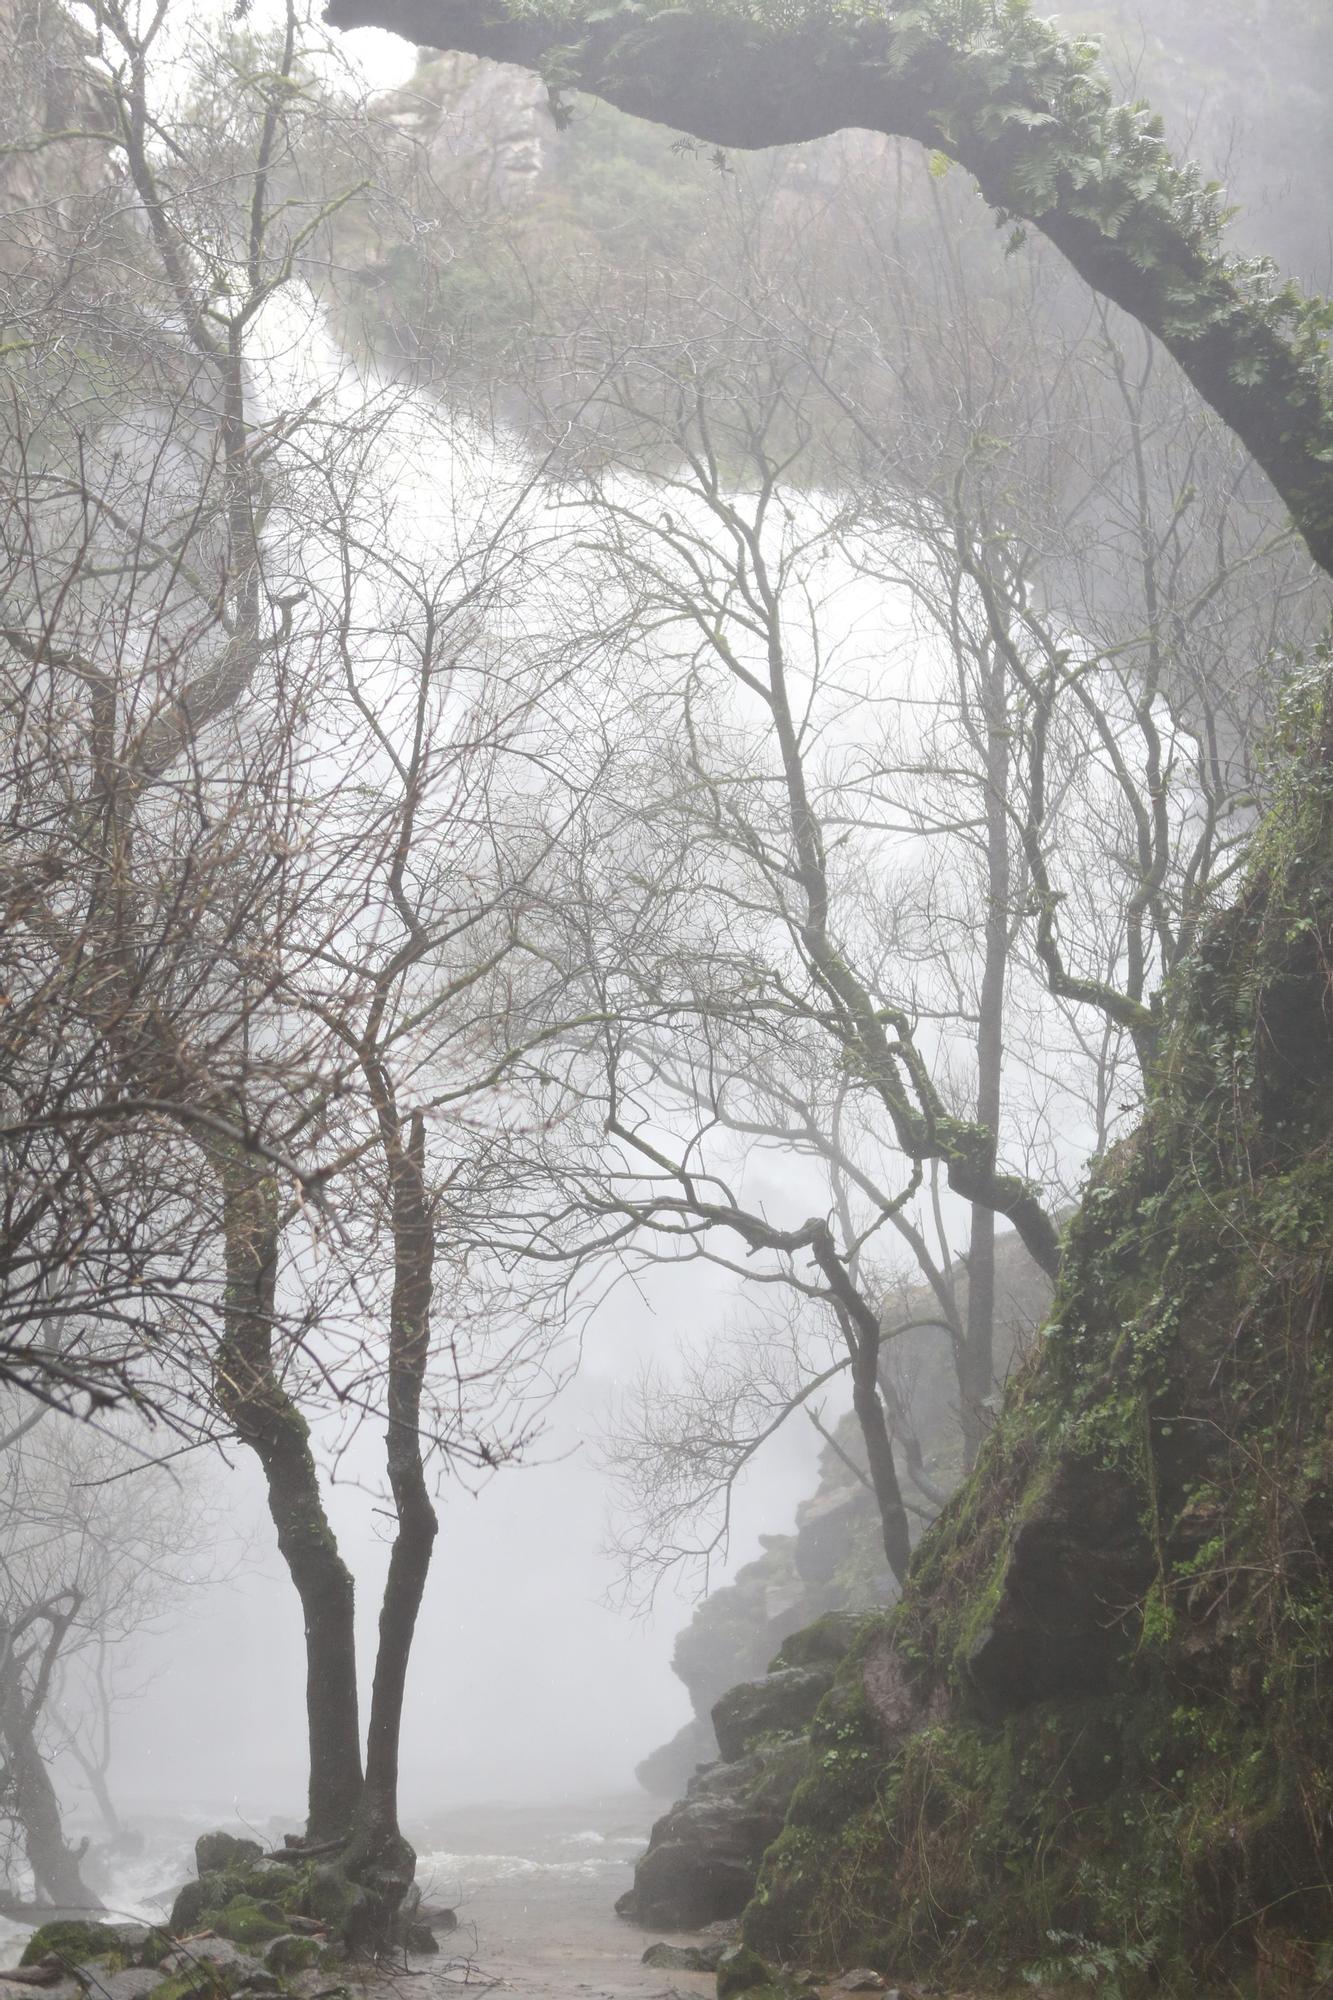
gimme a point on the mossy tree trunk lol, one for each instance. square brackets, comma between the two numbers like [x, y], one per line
[268, 1421]
[999, 90]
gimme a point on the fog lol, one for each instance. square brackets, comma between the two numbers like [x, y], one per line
[530, 1685]
[621, 762]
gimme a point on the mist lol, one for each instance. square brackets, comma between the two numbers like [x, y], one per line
[664, 1042]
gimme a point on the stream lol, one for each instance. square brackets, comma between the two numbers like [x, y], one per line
[535, 1888]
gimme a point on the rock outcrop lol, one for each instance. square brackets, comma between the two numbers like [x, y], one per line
[703, 1856]
[780, 1704]
[834, 1562]
[666, 1771]
[1096, 1730]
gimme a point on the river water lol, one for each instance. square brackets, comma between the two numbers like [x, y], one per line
[535, 1889]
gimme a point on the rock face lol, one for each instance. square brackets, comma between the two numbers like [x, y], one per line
[1101, 1708]
[667, 1771]
[703, 1857]
[835, 1560]
[781, 1703]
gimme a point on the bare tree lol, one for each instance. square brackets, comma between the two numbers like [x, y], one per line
[95, 1548]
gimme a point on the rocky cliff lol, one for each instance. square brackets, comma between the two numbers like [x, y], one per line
[1094, 1739]
[834, 1559]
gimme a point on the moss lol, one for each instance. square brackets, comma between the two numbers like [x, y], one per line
[245, 1922]
[290, 1953]
[200, 1981]
[824, 1643]
[71, 1940]
[334, 1898]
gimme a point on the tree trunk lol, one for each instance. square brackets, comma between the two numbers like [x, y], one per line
[55, 1865]
[95, 1778]
[977, 1373]
[869, 1409]
[269, 1422]
[409, 1343]
[380, 1859]
[1036, 136]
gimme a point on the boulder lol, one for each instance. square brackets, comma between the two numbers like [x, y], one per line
[684, 1957]
[703, 1856]
[420, 1938]
[192, 1899]
[214, 1852]
[247, 1922]
[701, 1863]
[335, 1899]
[212, 1955]
[132, 1982]
[292, 1952]
[781, 1704]
[826, 1643]
[742, 1971]
[69, 1941]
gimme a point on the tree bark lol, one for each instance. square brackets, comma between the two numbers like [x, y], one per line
[54, 1864]
[977, 1375]
[869, 1409]
[409, 1561]
[1022, 109]
[266, 1419]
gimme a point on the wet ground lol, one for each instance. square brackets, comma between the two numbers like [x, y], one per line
[535, 1889]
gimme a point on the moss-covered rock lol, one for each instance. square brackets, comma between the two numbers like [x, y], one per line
[780, 1703]
[192, 1899]
[71, 1940]
[291, 1953]
[825, 1643]
[215, 1853]
[741, 1971]
[1094, 1739]
[331, 1895]
[246, 1922]
[684, 1957]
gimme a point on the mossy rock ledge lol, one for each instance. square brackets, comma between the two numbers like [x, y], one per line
[703, 1856]
[1094, 1740]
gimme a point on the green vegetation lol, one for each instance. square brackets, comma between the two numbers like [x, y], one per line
[1095, 1740]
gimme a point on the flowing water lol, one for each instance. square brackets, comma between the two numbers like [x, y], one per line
[535, 1889]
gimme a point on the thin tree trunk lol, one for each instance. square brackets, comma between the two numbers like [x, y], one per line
[409, 1561]
[869, 1409]
[55, 1865]
[977, 1373]
[269, 1422]
[101, 1791]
